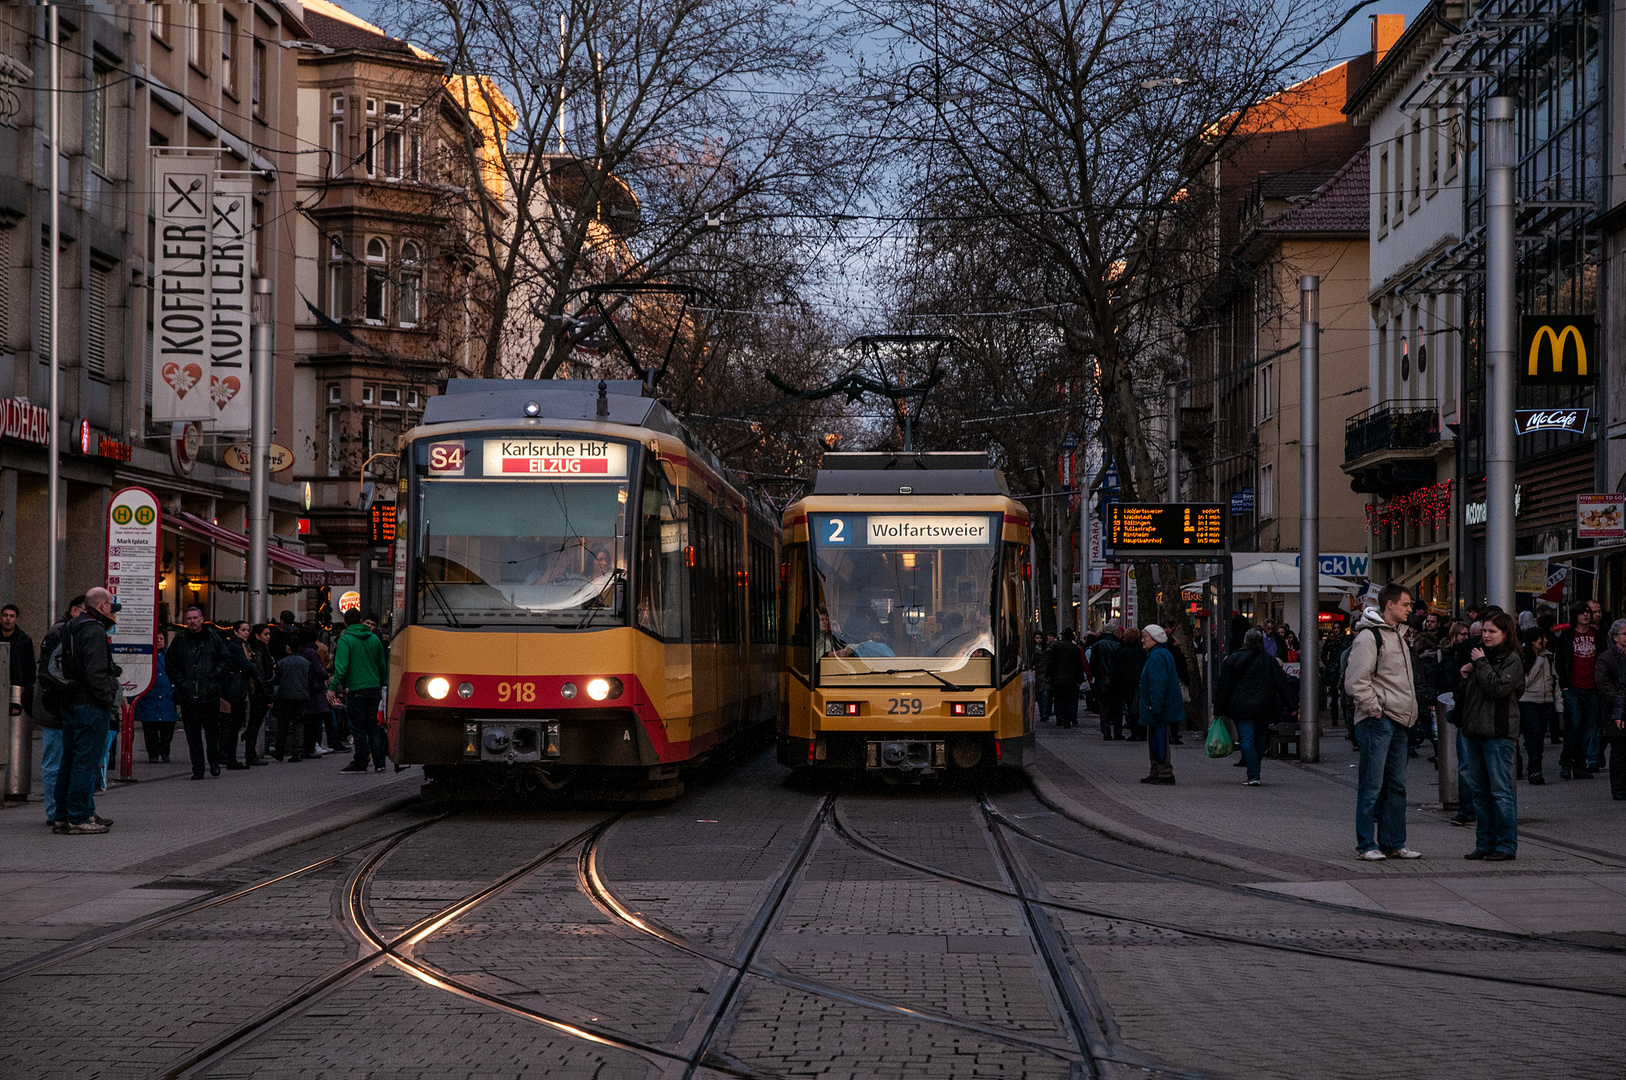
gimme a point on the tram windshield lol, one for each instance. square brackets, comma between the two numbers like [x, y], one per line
[520, 552]
[904, 599]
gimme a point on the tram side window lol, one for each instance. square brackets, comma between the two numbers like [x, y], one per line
[1015, 629]
[760, 580]
[660, 559]
[702, 614]
[795, 610]
[727, 569]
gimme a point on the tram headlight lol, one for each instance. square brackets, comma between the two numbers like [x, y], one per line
[567, 691]
[435, 687]
[465, 690]
[533, 408]
[598, 689]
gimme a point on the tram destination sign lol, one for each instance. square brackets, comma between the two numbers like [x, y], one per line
[558, 459]
[1152, 529]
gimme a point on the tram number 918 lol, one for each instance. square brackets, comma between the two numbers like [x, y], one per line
[903, 706]
[523, 692]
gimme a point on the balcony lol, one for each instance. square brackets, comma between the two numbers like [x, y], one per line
[1389, 449]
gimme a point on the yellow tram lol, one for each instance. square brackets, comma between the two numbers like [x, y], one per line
[905, 617]
[580, 587]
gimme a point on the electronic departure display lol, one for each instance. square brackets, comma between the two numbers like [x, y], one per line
[1165, 527]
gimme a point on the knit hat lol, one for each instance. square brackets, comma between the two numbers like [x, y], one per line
[1156, 633]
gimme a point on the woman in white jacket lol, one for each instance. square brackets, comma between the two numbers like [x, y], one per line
[1540, 699]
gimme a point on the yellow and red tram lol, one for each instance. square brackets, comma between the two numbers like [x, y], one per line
[904, 617]
[581, 588]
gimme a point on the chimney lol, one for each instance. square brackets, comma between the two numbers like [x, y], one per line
[1386, 30]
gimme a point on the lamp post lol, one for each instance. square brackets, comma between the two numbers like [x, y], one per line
[1500, 464]
[259, 467]
[1309, 517]
[53, 483]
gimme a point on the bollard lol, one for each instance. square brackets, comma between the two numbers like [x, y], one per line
[19, 737]
[127, 742]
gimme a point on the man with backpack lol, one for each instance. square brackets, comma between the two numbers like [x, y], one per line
[196, 664]
[1383, 685]
[85, 682]
[45, 705]
[1066, 676]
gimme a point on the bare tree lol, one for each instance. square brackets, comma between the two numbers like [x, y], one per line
[624, 134]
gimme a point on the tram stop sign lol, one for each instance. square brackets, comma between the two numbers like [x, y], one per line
[134, 551]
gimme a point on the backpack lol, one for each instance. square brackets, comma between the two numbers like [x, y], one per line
[56, 670]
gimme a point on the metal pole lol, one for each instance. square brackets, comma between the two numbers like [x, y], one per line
[259, 471]
[1309, 517]
[53, 483]
[1500, 339]
[1174, 440]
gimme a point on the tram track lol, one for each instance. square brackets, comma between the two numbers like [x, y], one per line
[1255, 893]
[863, 843]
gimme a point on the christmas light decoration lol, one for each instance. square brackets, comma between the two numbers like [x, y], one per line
[1431, 503]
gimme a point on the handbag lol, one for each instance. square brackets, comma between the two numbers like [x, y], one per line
[1219, 742]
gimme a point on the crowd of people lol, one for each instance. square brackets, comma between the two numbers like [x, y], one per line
[224, 686]
[1500, 687]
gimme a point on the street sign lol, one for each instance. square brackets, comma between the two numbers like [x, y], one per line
[1152, 529]
[237, 457]
[1242, 502]
[134, 552]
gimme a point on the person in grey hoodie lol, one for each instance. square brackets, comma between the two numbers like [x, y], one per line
[1383, 685]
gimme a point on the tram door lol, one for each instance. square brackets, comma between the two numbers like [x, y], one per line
[703, 618]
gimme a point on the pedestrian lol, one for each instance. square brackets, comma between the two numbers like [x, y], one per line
[156, 709]
[1425, 655]
[86, 710]
[1576, 658]
[359, 670]
[1252, 691]
[1493, 679]
[1383, 687]
[259, 708]
[22, 654]
[319, 712]
[1066, 676]
[1041, 674]
[1611, 672]
[1181, 672]
[1104, 660]
[237, 686]
[196, 661]
[293, 688]
[1158, 703]
[46, 704]
[1541, 696]
[1126, 668]
[284, 636]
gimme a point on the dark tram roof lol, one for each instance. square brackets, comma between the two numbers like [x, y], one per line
[559, 399]
[954, 473]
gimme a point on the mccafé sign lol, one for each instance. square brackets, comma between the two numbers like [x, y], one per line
[1558, 350]
[1528, 421]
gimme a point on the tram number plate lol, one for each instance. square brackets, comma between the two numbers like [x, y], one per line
[903, 706]
[516, 691]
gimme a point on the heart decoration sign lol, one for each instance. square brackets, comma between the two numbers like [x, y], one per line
[225, 389]
[182, 378]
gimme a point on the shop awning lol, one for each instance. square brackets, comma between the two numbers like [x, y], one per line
[1615, 547]
[313, 572]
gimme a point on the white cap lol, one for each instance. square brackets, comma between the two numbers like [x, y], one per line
[1156, 633]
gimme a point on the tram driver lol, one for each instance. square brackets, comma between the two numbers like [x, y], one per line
[867, 636]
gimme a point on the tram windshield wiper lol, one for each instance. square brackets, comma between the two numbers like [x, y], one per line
[956, 687]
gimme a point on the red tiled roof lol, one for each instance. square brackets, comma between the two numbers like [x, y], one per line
[342, 35]
[1339, 205]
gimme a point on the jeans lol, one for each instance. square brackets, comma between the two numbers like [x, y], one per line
[49, 768]
[108, 745]
[202, 723]
[84, 748]
[1044, 704]
[1580, 728]
[157, 734]
[337, 730]
[1066, 704]
[361, 708]
[1466, 787]
[1490, 761]
[1254, 735]
[1381, 795]
[1533, 720]
[290, 728]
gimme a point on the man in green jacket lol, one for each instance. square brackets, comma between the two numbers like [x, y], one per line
[359, 668]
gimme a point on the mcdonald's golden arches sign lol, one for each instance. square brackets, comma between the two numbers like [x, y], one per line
[1558, 350]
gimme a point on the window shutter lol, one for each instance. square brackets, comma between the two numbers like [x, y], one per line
[96, 320]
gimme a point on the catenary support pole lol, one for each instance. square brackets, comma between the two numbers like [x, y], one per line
[53, 288]
[259, 473]
[1499, 352]
[1309, 518]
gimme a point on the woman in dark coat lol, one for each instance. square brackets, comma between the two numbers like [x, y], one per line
[1610, 675]
[1488, 715]
[1252, 691]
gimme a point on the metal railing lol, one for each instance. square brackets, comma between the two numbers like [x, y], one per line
[1392, 425]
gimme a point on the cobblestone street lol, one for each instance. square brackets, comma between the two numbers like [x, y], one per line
[1071, 923]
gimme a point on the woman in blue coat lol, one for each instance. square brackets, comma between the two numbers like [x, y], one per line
[1160, 703]
[156, 709]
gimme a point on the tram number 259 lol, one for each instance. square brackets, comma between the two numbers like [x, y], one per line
[903, 706]
[516, 691]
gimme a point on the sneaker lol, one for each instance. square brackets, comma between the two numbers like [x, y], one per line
[320, 751]
[98, 819]
[60, 828]
[1535, 778]
[1239, 764]
[1372, 856]
[1403, 853]
[86, 828]
[1500, 856]
[354, 768]
[378, 768]
[1250, 783]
